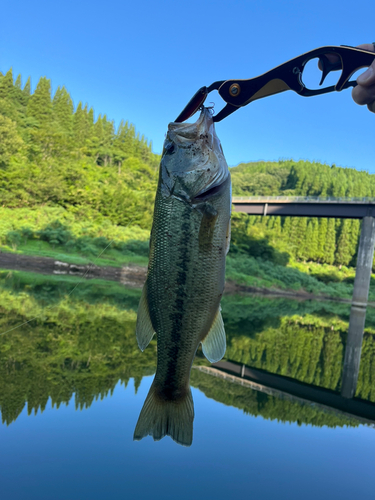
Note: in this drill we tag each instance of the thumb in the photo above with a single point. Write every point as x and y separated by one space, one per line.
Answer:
368 77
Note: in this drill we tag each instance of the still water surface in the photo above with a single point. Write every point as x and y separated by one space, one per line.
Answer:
72 383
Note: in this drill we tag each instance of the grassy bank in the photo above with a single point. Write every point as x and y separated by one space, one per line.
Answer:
316 279
321 280
96 255
62 235
69 239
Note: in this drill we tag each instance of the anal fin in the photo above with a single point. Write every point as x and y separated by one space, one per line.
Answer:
214 344
144 330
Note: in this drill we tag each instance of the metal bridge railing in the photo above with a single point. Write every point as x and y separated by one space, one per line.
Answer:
304 199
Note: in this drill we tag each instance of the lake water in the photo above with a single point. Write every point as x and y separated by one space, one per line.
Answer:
73 381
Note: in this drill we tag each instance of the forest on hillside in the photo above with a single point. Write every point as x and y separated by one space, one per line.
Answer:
329 241
57 156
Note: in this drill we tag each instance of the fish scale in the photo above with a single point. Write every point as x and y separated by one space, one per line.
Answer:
198 283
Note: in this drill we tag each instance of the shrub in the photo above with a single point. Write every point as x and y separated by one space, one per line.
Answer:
101 242
14 238
26 233
137 247
55 234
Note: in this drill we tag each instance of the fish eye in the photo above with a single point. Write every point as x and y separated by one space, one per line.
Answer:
170 149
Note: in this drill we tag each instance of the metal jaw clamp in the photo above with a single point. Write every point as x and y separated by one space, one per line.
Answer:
287 76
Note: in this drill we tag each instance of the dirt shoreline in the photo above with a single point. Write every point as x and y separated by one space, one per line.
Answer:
133 276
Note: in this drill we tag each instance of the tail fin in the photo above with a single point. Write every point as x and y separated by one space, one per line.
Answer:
159 418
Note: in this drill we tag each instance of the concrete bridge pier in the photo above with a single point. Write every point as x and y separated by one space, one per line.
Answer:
358 310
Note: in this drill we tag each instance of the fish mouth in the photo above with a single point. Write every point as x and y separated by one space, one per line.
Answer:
193 162
215 190
185 133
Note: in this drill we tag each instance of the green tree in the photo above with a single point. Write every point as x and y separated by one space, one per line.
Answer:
6 85
343 255
323 224
39 105
27 90
355 229
301 249
63 109
10 142
330 244
103 140
80 127
310 244
314 252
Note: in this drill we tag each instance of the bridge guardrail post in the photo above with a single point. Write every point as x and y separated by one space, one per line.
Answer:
357 319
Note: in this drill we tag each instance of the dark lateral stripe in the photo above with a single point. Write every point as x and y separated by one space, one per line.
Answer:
178 314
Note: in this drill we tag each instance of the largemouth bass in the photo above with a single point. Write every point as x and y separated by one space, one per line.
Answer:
181 297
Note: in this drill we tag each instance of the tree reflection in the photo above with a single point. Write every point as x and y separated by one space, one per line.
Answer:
84 347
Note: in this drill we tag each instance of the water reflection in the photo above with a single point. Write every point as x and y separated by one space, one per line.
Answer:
83 343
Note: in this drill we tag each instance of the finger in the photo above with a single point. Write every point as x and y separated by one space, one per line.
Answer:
367 79
332 58
367 46
363 95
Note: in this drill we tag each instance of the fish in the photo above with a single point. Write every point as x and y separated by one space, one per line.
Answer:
180 300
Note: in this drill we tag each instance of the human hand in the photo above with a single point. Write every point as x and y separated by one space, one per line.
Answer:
364 92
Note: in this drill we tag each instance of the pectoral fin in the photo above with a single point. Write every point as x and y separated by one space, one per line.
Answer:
227 239
214 344
144 329
206 230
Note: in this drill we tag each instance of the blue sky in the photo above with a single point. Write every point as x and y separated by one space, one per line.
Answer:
143 60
